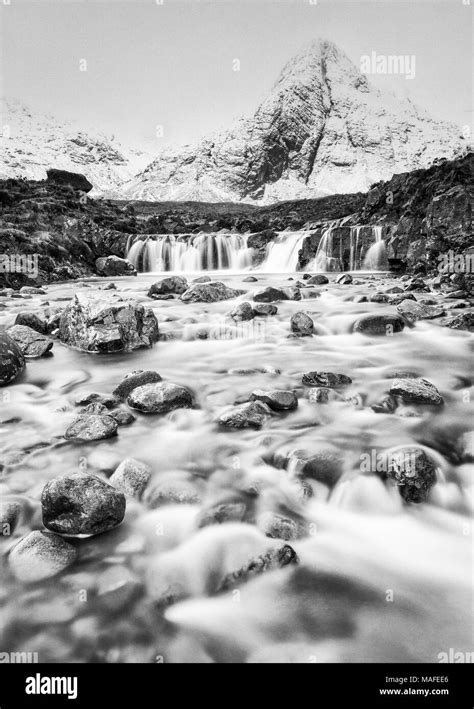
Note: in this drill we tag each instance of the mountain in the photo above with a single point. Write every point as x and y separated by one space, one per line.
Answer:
323 129
33 142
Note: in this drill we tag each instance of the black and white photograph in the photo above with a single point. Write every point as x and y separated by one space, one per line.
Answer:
236 345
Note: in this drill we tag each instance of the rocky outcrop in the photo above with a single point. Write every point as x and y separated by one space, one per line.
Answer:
74 180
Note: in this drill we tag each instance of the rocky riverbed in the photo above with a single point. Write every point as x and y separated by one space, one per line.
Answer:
266 468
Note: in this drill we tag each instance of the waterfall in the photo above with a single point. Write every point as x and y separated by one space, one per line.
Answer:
283 253
376 256
354 246
326 259
200 252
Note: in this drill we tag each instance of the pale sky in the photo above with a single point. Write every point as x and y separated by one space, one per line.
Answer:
171 64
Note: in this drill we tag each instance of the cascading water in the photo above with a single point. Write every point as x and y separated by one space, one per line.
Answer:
326 259
202 252
283 253
376 256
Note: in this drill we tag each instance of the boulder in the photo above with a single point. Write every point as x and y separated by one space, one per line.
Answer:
91 427
302 324
413 471
344 279
12 360
277 399
114 266
32 343
250 415
81 503
378 324
264 309
463 321
159 398
330 380
209 293
134 379
413 311
167 286
131 477
106 323
242 311
64 178
35 321
269 295
416 391
318 280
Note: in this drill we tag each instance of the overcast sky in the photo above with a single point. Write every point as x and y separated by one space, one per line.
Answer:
171 64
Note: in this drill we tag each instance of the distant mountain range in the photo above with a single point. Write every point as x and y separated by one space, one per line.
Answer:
323 129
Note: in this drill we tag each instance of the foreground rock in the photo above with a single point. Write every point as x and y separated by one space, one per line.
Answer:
106 323
302 324
12 361
413 311
159 398
134 379
40 555
379 324
31 343
170 285
242 311
416 391
114 266
249 415
272 559
91 427
131 477
269 295
318 280
463 321
277 399
329 380
209 293
81 504
413 471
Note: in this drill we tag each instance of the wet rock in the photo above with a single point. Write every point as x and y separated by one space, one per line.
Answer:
131 477
159 398
269 295
413 311
416 284
394 289
33 320
379 298
32 290
40 555
219 514
318 280
265 309
209 293
273 559
242 372
386 405
378 324
463 321
277 399
81 503
249 279
319 395
117 587
416 391
10 511
134 379
331 380
169 285
242 311
400 298
110 401
202 279
106 323
32 343
91 427
324 464
114 266
302 324
344 279
12 361
413 471
123 417
95 409
249 415
278 527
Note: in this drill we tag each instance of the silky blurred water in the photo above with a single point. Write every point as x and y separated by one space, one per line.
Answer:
378 580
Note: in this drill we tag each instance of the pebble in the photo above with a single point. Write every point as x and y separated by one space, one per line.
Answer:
131 477
40 555
249 415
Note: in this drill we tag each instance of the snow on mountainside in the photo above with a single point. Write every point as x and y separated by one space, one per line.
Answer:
33 142
323 129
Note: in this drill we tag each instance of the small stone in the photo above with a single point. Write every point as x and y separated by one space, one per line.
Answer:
416 391
379 298
319 395
249 279
40 555
277 399
318 280
123 417
398 298
413 311
132 380
250 415
108 400
269 295
91 427
379 324
202 279
387 405
324 464
273 559
265 309
95 409
302 324
326 379
81 503
344 279
169 285
219 514
242 311
278 527
159 398
413 471
12 360
117 587
131 477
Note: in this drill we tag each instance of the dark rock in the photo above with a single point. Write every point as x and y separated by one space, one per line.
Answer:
416 284
32 343
209 293
107 324
33 320
242 311
413 471
250 415
272 559
379 298
12 361
91 427
159 398
219 514
122 417
249 279
40 555
134 379
344 279
131 477
169 285
95 409
277 399
398 298
463 321
301 324
110 401
269 295
378 324
419 311
81 503
387 405
318 280
114 266
69 179
325 379
416 391
265 309
293 293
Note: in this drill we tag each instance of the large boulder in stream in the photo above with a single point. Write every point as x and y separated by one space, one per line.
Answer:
209 292
106 323
168 285
12 361
32 344
114 266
